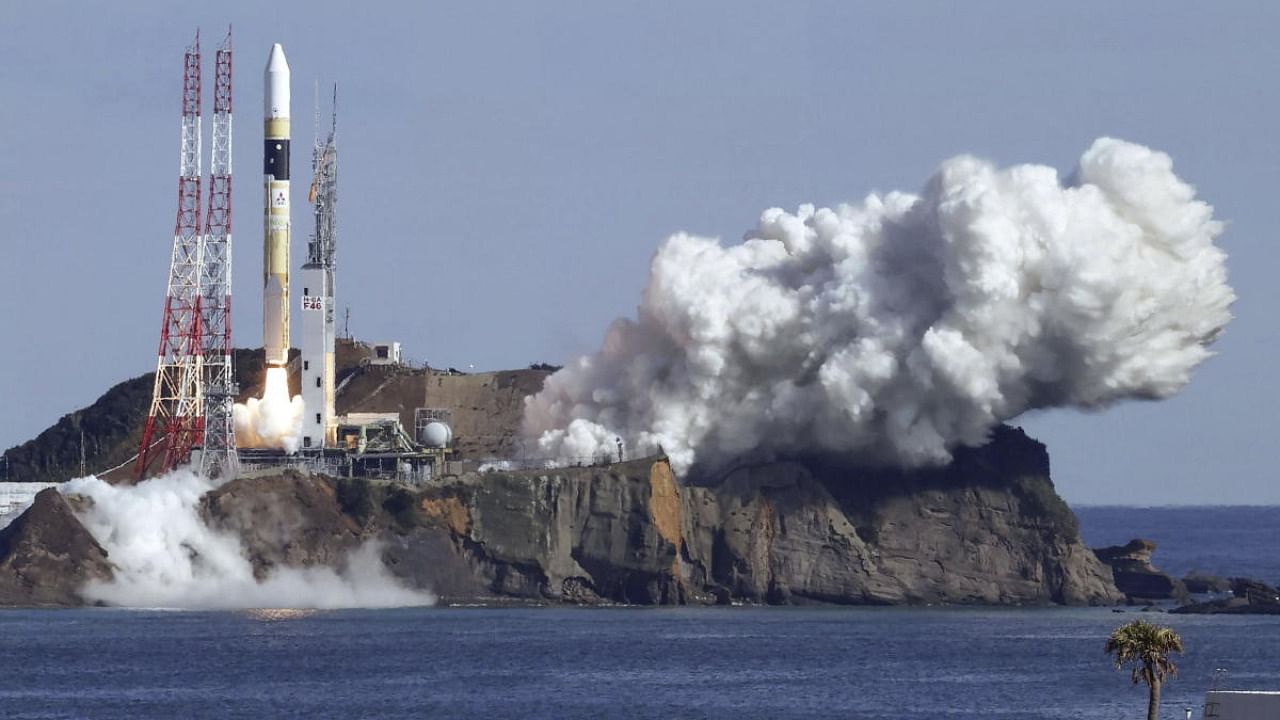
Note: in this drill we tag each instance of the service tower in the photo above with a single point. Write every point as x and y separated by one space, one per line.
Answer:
319 427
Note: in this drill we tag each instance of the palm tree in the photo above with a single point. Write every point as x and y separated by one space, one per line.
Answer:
1146 647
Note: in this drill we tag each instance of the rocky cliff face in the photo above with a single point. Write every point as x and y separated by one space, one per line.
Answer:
987 529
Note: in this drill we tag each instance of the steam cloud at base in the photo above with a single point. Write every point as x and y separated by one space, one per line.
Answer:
275 420
904 326
165 556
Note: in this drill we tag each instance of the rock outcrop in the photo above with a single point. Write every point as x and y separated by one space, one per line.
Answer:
46 556
1136 577
1198 583
1248 597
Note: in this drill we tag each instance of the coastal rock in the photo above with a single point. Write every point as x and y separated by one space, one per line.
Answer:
1199 583
46 555
1249 597
1136 577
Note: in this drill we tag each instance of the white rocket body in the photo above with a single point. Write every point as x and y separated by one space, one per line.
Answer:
277 223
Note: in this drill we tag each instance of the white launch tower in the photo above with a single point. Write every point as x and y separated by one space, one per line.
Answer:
318 322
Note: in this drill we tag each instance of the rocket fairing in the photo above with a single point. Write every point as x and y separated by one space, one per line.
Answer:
277 224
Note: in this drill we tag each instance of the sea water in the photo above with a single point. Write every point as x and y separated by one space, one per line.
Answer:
555 662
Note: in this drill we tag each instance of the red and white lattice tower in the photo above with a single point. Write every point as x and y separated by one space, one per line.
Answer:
218 457
176 420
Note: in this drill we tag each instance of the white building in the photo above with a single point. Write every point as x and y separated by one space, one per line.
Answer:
1241 705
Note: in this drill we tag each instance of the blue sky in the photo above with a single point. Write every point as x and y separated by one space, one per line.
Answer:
507 170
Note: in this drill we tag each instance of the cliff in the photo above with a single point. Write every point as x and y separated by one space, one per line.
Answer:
988 529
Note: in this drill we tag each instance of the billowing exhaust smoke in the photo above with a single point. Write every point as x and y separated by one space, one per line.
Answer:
165 556
904 326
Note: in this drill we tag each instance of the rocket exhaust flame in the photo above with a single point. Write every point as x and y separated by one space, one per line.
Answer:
275 420
902 327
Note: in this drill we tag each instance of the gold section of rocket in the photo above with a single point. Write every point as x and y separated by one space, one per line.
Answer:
276 128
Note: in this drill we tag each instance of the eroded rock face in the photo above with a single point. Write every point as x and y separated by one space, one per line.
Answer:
46 556
1137 578
988 529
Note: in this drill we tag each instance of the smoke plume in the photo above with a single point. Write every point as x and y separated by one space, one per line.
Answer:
275 421
906 325
165 556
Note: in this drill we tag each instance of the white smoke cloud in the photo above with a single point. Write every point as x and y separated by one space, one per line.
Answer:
275 420
165 556
904 326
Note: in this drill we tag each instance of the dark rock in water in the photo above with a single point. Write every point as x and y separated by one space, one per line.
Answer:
46 555
1200 583
1136 577
1249 597
1254 591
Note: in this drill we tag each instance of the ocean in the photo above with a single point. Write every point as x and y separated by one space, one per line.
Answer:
747 662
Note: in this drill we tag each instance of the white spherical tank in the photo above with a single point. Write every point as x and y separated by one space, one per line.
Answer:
436 435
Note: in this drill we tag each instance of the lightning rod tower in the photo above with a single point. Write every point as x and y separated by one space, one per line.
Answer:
218 455
175 421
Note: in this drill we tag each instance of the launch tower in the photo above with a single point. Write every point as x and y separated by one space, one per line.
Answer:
218 457
195 380
318 322
175 421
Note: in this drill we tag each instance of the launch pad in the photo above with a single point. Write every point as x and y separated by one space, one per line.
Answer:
370 445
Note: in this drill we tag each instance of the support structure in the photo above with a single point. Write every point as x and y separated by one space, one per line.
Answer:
218 457
318 275
175 421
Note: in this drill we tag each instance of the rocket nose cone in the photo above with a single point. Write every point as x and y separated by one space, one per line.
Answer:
276 62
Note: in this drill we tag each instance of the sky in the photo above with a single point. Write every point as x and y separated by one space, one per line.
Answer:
507 170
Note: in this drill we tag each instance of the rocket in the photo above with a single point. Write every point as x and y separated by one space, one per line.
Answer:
276 225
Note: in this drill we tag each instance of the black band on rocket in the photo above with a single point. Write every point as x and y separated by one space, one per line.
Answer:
275 158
